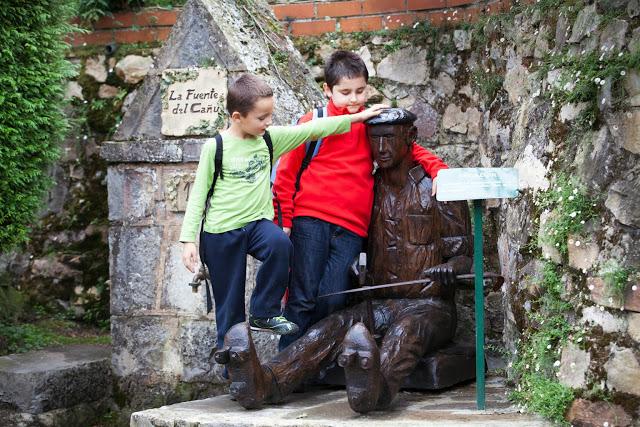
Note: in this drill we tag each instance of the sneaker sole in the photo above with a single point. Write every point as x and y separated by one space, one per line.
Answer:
273 331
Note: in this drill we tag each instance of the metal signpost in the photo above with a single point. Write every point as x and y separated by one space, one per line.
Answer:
477 184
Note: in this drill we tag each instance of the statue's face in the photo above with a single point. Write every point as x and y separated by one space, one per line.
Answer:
389 144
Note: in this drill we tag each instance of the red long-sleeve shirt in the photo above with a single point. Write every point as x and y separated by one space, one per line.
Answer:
337 186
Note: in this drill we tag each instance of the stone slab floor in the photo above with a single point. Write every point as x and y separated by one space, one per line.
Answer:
329 407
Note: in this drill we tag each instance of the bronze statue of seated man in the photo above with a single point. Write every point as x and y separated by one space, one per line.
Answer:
412 236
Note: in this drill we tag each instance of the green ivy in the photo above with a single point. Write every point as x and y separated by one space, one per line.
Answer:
33 72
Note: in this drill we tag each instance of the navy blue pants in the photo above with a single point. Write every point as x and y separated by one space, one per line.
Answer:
322 254
226 258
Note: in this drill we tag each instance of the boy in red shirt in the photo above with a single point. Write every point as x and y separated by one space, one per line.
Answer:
328 216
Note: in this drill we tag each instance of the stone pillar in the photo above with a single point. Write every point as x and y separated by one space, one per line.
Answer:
162 335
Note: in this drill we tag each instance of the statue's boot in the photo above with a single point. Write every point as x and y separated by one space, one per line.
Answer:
361 362
249 382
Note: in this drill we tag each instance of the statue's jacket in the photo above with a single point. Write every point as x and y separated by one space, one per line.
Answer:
412 232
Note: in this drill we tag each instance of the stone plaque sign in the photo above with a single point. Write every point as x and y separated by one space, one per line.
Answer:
177 189
193 101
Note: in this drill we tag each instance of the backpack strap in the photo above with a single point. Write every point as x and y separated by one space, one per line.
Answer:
269 142
217 172
312 149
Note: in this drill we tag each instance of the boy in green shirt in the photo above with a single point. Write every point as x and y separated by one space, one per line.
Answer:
238 218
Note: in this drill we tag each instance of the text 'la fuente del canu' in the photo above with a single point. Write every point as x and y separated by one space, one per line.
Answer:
195 107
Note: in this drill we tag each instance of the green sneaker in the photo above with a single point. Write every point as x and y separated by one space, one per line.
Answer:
277 325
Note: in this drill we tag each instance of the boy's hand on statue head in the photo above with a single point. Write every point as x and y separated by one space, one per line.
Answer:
372 111
190 256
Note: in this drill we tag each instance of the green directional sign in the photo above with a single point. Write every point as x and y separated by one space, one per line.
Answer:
477 184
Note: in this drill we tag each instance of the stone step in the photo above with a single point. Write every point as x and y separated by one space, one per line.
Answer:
452 407
47 380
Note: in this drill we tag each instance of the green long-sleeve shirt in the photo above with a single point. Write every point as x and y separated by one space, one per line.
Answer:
244 194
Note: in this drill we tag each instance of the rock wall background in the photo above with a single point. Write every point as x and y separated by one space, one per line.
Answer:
552 89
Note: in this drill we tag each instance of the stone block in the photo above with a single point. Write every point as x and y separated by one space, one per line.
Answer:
197 341
176 294
574 365
623 200
570 111
600 294
633 328
146 344
582 254
131 193
408 65
586 413
149 151
427 122
42 381
165 347
612 37
516 83
585 24
133 68
607 321
462 39
454 119
95 68
623 371
134 260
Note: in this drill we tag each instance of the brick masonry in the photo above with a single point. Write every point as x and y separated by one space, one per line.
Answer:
302 17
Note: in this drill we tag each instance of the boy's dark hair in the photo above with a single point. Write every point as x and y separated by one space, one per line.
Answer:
343 64
244 92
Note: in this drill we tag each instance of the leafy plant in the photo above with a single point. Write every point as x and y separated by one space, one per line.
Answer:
487 84
615 277
32 75
536 357
570 209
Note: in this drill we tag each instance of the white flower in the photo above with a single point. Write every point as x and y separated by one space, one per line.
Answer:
620 54
602 82
502 40
549 347
579 339
559 199
578 243
623 72
597 80
634 288
601 308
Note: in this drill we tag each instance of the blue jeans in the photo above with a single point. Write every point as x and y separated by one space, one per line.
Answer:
322 254
226 258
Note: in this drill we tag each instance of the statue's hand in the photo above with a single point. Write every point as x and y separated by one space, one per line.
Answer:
442 273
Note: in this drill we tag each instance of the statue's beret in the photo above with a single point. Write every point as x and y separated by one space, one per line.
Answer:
393 116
